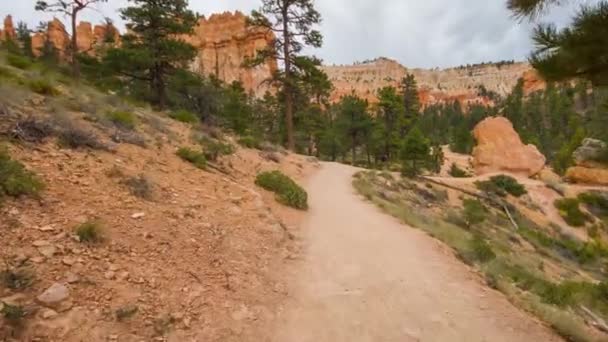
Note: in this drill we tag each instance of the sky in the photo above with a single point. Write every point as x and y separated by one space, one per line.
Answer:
424 34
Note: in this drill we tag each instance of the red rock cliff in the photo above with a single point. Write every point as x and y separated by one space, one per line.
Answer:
224 42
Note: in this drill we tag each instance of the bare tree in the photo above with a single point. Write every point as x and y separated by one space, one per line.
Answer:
70 8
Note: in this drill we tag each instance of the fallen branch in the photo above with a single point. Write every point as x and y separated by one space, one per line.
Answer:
596 321
496 203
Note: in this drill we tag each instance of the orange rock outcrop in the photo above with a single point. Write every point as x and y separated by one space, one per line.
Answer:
9 29
436 85
224 42
500 149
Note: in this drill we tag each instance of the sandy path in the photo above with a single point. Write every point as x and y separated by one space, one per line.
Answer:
366 277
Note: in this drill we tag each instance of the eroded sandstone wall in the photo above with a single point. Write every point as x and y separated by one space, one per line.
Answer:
436 85
224 42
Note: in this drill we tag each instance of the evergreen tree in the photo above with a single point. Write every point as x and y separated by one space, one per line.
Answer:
354 121
25 38
292 23
390 111
415 153
411 103
152 51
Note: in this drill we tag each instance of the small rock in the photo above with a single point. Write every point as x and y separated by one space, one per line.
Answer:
113 337
124 275
37 260
47 251
13 212
113 267
54 295
109 275
21 258
138 216
40 243
71 278
69 261
47 228
235 210
49 314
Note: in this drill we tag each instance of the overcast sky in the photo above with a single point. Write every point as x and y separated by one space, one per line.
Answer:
428 33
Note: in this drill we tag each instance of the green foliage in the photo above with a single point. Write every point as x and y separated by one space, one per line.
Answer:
569 209
184 116
415 153
90 232
43 87
479 251
152 50
19 62
13 313
194 157
74 137
250 141
473 212
15 179
596 202
122 119
457 172
287 191
213 149
502 185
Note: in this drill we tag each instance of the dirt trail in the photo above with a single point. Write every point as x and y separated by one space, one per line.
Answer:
366 277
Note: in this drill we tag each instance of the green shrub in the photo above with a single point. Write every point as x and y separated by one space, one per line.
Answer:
6 73
477 251
213 149
16 279
122 119
43 87
13 314
287 191
194 157
18 62
596 202
89 232
15 179
126 312
457 172
250 142
501 185
184 116
570 210
474 212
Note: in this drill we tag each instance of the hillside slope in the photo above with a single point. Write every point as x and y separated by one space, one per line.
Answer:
196 259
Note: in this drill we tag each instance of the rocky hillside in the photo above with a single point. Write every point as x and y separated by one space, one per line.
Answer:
128 241
436 85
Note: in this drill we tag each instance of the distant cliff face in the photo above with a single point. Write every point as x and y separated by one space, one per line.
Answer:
224 42
435 85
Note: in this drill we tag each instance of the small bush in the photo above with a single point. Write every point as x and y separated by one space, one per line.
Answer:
287 191
74 137
501 185
13 314
474 212
6 73
570 210
126 312
213 149
250 142
194 157
596 202
18 62
43 87
129 137
184 116
122 119
32 130
16 279
15 179
457 172
89 232
481 250
139 186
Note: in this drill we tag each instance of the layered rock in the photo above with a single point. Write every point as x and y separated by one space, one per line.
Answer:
58 37
500 149
436 85
588 169
224 42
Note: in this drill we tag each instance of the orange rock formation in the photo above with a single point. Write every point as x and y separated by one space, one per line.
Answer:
224 42
436 86
499 149
9 29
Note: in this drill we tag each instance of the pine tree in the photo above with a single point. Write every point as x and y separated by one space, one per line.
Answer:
390 110
25 38
354 121
291 22
415 153
153 50
411 103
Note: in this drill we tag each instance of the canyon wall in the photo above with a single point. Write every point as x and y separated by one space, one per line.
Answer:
224 42
435 85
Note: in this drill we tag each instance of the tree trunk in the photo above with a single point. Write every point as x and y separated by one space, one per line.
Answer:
74 50
354 148
291 144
